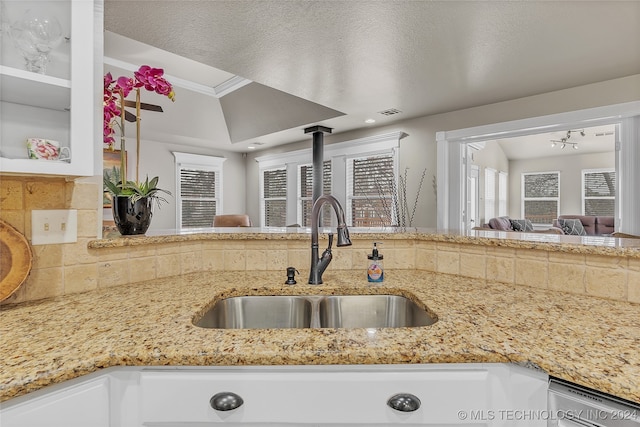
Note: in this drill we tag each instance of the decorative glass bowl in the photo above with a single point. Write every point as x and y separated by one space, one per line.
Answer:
36 36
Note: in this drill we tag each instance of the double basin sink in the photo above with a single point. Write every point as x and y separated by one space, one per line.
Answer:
315 311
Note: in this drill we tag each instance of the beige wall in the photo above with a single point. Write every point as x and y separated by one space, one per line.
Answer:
491 156
157 160
418 150
570 168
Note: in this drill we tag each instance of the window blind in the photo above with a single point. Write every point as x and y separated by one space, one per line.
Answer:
599 192
274 195
541 185
198 189
306 194
541 196
371 191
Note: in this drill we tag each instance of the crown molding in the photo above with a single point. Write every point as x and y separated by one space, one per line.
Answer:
175 81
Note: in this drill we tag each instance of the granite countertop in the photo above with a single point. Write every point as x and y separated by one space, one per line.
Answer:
593 245
587 340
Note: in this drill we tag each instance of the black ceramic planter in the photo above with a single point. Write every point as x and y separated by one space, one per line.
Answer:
132 218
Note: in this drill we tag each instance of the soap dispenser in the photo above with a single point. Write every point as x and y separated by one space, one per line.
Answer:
375 272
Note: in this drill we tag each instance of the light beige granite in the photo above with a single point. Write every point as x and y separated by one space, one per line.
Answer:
448 240
588 340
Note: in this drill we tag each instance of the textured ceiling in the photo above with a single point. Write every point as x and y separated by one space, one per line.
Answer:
421 57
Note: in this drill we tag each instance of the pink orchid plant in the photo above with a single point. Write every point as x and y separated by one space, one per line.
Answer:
115 92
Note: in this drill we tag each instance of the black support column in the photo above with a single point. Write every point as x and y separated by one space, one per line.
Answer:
318 157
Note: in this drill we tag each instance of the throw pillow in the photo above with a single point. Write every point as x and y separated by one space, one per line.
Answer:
501 223
523 225
572 226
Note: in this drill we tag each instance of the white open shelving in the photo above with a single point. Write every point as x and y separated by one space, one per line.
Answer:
61 105
36 90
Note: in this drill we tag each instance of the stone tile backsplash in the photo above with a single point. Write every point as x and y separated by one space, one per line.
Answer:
70 268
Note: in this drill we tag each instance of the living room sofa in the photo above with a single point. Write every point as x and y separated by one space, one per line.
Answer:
504 223
593 225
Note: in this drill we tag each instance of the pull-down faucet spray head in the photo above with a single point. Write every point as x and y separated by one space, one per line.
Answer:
319 264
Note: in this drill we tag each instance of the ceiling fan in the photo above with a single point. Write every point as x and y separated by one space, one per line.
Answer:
130 117
135 118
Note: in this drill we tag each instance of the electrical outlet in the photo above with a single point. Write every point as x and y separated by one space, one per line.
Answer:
54 226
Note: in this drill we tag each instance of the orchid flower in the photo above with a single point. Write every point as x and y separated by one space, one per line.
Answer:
115 90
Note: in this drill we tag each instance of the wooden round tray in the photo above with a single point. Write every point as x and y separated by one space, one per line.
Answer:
15 260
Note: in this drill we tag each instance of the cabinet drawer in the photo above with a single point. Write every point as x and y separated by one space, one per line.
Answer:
326 395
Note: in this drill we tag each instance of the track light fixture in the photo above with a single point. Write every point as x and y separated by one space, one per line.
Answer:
565 140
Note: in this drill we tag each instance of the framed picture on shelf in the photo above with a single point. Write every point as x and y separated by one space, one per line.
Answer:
111 169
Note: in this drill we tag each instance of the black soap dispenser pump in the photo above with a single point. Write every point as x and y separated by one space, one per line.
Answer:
291 276
375 271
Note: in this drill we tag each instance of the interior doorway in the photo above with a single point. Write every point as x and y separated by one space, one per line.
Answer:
473 197
452 203
500 167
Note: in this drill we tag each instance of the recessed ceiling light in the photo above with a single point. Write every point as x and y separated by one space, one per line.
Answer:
369 121
251 147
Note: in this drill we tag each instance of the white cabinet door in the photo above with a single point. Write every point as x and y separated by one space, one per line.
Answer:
85 404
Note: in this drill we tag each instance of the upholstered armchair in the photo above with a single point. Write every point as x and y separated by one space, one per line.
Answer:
234 220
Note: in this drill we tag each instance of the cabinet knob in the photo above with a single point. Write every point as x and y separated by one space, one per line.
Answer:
225 401
404 402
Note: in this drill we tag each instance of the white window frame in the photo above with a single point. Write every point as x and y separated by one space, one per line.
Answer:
523 199
337 153
584 197
503 193
490 199
198 162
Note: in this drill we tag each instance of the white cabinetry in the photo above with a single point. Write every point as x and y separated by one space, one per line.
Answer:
77 403
450 394
64 103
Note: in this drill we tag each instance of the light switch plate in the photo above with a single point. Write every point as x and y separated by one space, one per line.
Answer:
54 226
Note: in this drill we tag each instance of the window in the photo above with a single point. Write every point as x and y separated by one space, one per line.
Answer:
371 189
306 193
296 177
274 197
199 180
489 194
541 196
598 192
502 193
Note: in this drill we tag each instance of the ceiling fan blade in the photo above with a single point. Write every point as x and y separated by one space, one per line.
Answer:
143 106
130 117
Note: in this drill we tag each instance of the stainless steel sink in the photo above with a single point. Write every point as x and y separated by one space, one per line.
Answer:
371 311
315 311
257 312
